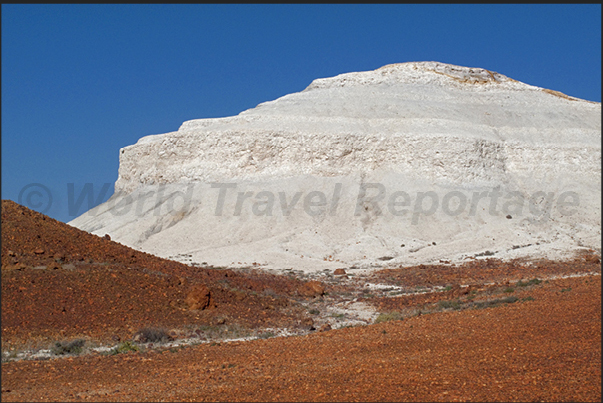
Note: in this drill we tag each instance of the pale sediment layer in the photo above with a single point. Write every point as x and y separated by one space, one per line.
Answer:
413 128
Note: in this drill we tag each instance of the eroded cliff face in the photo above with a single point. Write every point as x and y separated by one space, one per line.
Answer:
434 120
430 156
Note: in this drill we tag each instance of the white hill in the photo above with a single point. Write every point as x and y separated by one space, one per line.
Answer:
410 163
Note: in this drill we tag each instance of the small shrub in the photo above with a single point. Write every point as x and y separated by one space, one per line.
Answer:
11 355
509 300
313 311
123 347
494 302
153 335
448 288
566 289
530 282
509 289
450 304
71 347
270 292
126 346
529 298
266 335
386 317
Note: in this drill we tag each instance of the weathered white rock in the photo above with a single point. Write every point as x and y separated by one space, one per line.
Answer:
464 137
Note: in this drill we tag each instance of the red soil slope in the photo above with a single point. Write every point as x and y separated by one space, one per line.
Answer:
59 282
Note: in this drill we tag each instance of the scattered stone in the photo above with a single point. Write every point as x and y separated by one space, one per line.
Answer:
325 328
53 266
339 272
39 251
107 237
308 323
199 297
18 266
312 289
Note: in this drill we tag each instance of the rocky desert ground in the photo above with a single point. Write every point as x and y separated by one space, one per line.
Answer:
87 319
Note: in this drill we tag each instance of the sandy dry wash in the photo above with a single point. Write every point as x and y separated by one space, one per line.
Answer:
407 164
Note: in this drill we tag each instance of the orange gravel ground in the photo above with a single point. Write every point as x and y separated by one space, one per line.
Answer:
545 346
548 349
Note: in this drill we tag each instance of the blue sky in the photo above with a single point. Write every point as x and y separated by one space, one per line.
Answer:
81 81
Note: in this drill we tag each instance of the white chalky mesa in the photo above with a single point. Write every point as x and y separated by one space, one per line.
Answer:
356 165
